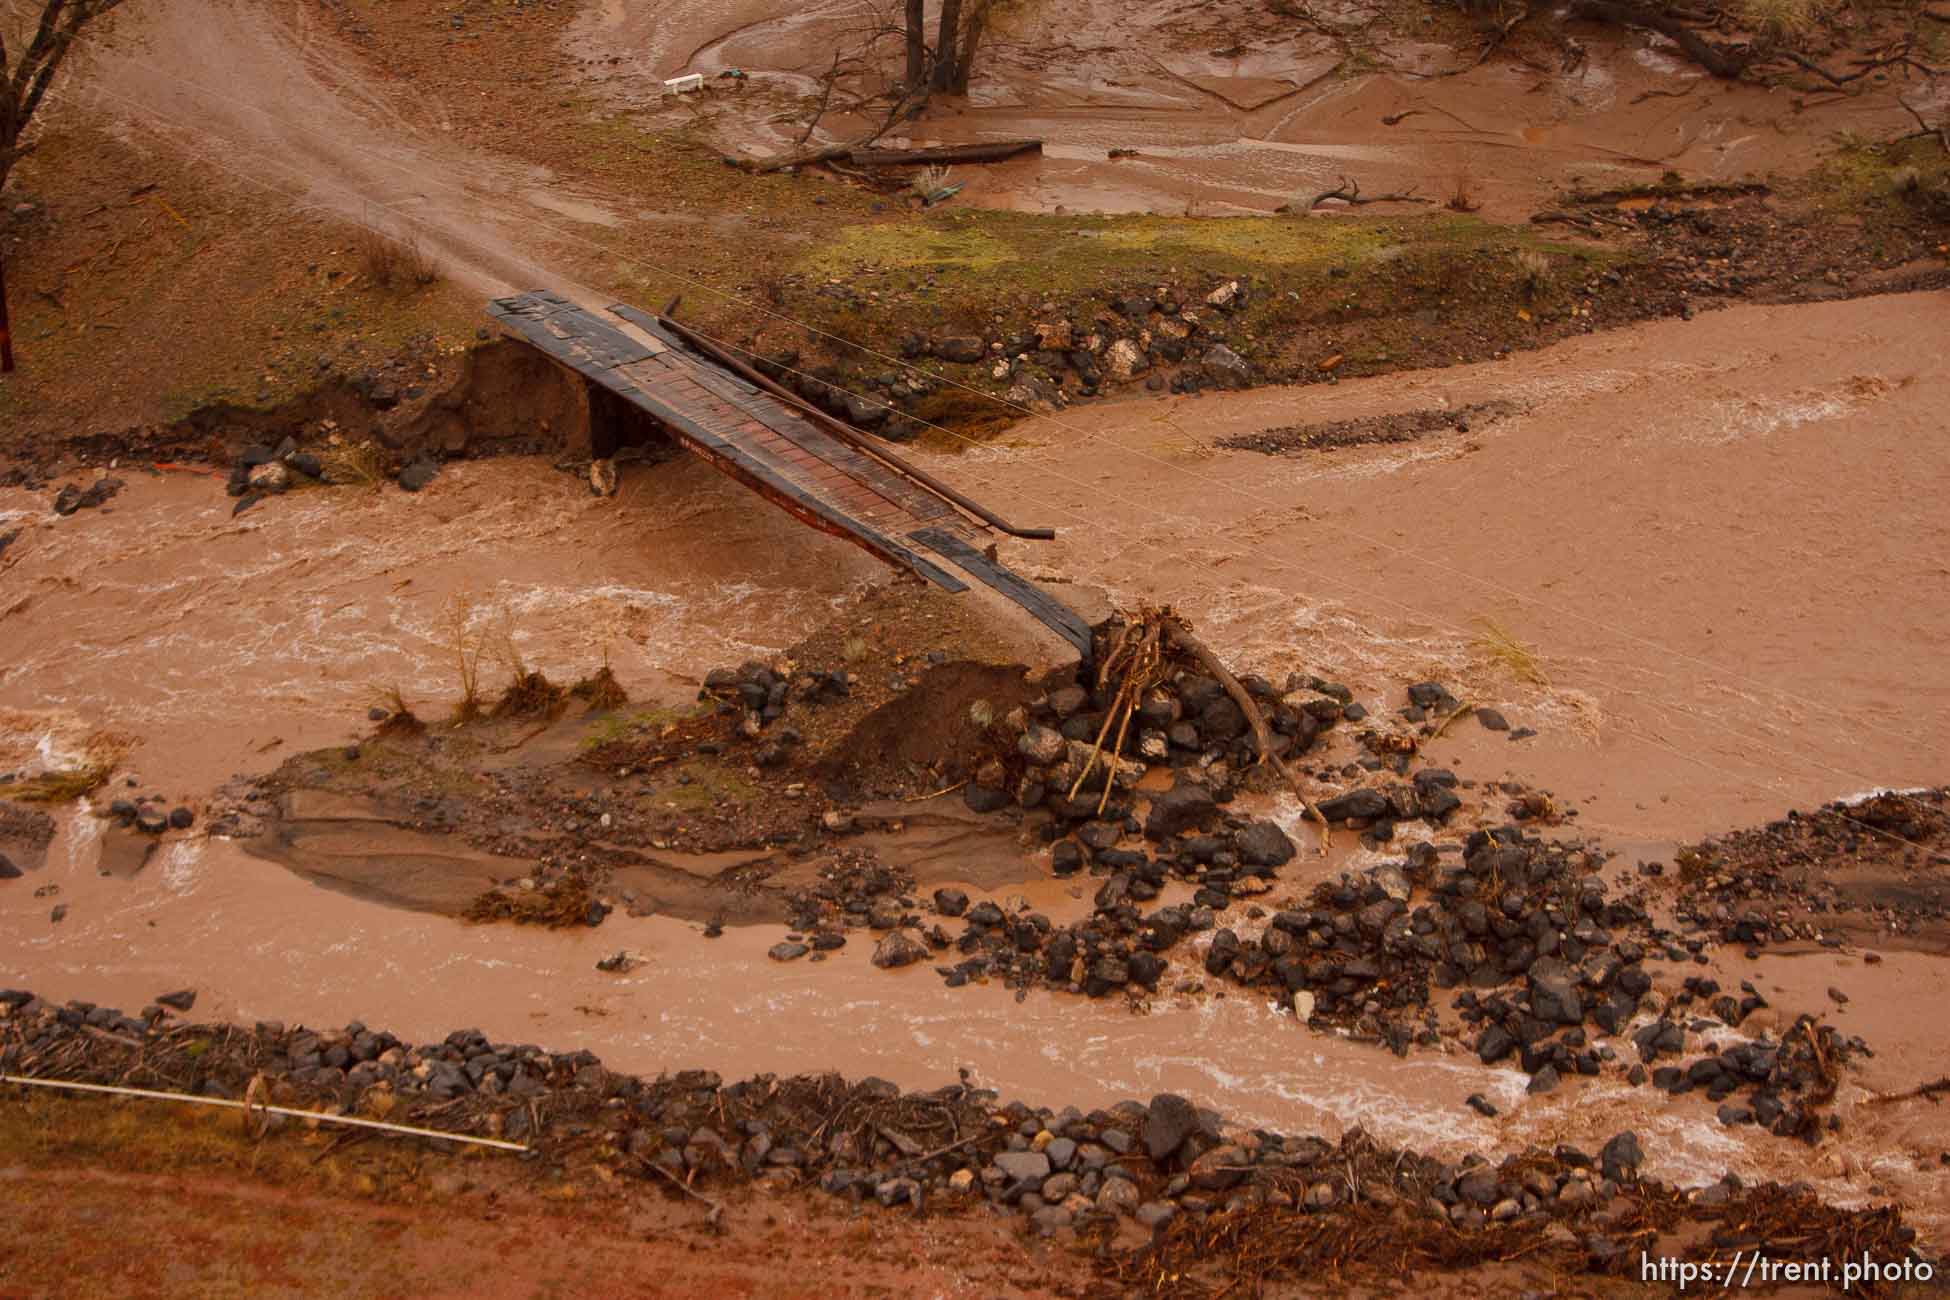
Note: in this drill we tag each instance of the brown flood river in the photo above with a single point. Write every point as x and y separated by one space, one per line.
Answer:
1724 538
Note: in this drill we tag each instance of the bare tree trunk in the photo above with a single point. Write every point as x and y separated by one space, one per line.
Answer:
6 334
1722 61
946 43
917 44
971 37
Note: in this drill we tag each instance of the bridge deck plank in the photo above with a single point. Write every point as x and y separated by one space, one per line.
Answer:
776 450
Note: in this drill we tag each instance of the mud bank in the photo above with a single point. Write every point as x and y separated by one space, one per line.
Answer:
1186 1174
1237 108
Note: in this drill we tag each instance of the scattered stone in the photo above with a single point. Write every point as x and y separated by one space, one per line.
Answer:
898 949
1224 366
1023 1166
962 349
418 474
790 951
1169 1120
181 1000
70 499
1179 809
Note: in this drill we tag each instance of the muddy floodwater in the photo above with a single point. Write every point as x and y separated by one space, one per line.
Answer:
223 643
263 944
1675 517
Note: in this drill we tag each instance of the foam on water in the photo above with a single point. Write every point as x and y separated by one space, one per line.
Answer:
82 836
180 865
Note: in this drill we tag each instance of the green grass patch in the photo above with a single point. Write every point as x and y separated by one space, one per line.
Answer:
1884 181
710 784
633 725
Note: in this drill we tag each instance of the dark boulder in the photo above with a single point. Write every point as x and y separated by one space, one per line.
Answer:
418 474
1366 803
963 349
1168 1121
1263 844
1179 809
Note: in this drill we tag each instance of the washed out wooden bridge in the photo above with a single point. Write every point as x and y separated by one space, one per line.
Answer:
811 464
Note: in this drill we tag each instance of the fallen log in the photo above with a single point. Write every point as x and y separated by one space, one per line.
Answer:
947 153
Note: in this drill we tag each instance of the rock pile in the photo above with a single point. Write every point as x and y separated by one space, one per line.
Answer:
761 693
1065 759
1796 878
1063 1171
1164 336
1119 946
147 813
857 891
70 499
266 471
1549 965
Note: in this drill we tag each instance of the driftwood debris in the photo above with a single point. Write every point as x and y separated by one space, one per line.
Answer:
1136 661
944 154
1928 1092
1349 192
1181 637
860 154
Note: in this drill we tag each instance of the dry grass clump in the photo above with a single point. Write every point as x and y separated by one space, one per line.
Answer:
1782 20
556 904
390 262
1497 644
400 719
601 691
529 694
1535 267
101 755
359 463
928 180
466 645
1462 193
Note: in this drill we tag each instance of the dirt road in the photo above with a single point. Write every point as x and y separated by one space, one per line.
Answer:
260 91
